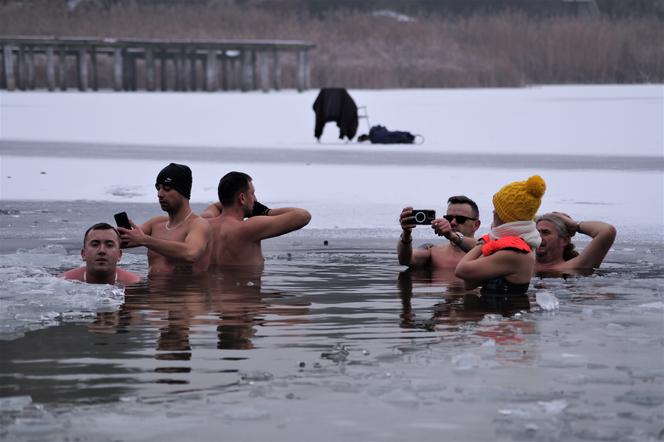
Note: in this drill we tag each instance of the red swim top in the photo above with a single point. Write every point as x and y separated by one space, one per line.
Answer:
515 243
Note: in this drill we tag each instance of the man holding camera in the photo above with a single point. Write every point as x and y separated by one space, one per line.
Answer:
458 226
236 240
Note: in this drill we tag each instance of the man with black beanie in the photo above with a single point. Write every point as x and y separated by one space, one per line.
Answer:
179 242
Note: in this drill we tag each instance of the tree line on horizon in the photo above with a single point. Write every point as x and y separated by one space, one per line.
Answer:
379 45
319 8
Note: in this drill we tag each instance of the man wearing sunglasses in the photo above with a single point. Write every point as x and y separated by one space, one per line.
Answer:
458 226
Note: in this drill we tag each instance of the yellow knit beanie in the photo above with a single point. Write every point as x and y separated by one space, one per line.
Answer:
519 201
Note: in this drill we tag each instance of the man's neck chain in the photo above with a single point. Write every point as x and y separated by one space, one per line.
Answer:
180 223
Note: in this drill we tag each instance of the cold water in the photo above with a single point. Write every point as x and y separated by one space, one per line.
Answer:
331 342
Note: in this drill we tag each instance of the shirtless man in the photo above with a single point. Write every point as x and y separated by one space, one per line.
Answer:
556 252
101 253
179 242
458 226
237 241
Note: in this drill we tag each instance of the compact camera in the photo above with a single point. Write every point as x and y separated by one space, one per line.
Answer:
424 216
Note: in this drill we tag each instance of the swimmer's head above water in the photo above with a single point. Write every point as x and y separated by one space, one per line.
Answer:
177 176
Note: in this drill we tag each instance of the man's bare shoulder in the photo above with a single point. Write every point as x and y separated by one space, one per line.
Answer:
127 277
73 274
200 223
156 220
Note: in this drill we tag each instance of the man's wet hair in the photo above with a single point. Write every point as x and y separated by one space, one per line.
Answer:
569 251
100 226
463 199
230 185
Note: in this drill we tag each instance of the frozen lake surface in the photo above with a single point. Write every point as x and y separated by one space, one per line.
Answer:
336 341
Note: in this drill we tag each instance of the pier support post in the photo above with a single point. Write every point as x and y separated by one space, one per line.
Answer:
301 70
30 80
276 70
117 69
50 68
226 71
20 68
211 71
180 70
150 71
82 59
162 70
264 70
8 61
246 70
62 68
93 67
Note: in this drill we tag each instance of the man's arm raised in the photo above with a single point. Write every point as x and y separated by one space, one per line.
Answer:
603 235
212 211
190 250
278 222
593 254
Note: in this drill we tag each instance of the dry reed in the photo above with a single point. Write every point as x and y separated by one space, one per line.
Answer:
356 49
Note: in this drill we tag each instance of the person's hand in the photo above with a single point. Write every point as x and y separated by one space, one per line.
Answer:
406 219
570 224
442 227
133 237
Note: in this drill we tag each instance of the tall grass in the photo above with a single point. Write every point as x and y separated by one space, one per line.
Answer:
360 50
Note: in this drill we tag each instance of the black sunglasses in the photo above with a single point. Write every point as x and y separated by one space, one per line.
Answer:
460 219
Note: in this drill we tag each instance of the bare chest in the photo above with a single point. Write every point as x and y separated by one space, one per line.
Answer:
445 256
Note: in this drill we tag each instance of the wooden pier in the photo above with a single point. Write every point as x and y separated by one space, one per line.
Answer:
55 63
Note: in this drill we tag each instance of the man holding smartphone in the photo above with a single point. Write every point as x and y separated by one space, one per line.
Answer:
101 253
458 226
239 222
178 242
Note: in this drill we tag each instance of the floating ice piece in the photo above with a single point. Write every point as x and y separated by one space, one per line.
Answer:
466 362
653 306
14 403
491 318
245 413
256 376
553 407
643 398
338 354
616 330
547 301
402 398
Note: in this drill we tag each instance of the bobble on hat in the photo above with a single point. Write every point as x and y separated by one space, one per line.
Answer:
519 201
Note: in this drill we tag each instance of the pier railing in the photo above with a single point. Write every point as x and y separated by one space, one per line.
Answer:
56 63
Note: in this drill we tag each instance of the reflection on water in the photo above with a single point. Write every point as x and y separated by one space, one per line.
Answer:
339 344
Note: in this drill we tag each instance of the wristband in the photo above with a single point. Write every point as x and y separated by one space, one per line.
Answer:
405 242
578 227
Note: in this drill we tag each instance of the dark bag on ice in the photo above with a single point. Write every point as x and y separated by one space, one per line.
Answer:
380 135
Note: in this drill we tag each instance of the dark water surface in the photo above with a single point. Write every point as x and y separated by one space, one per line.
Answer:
331 342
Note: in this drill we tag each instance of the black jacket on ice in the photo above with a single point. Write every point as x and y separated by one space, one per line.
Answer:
335 104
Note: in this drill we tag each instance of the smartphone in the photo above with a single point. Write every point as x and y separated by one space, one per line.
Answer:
122 220
424 216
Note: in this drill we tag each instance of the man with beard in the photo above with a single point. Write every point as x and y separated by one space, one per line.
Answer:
179 242
101 253
458 226
557 253
239 222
